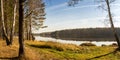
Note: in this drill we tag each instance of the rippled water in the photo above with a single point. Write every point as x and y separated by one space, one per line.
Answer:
38 38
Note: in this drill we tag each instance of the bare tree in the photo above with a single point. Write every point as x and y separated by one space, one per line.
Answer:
111 22
108 9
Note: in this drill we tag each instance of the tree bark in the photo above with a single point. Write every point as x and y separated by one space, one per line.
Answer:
3 24
27 30
30 27
13 23
21 22
112 24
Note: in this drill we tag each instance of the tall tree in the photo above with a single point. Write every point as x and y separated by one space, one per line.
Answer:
8 14
21 21
3 24
111 22
73 2
35 10
13 22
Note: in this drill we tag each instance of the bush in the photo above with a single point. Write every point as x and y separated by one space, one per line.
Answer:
114 44
87 44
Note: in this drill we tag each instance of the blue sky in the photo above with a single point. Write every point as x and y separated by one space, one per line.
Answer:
86 14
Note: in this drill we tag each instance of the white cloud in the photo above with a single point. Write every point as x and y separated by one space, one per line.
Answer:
88 6
57 6
80 7
116 5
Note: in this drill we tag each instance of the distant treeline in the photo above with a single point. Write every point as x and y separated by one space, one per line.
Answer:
99 34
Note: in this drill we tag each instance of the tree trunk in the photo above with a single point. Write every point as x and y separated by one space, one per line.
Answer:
3 24
13 23
30 27
27 30
21 22
6 23
1 32
112 24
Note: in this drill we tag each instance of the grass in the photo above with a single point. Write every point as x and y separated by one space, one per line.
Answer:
11 52
58 51
35 50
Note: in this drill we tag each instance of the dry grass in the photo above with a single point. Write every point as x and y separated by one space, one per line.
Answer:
31 54
8 51
11 52
35 50
53 45
57 51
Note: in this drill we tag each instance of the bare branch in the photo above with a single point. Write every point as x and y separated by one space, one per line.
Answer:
28 14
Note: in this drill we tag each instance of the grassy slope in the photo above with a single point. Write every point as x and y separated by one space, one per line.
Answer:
57 51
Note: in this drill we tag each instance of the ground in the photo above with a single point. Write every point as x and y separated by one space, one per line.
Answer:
58 51
11 52
39 50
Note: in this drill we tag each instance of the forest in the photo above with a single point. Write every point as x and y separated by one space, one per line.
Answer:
83 34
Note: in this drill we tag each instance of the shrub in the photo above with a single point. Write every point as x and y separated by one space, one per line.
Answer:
114 44
87 44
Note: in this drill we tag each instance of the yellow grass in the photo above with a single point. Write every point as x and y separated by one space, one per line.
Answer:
11 52
53 45
57 51
39 50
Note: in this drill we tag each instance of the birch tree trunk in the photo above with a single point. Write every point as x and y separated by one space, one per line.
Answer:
13 23
3 24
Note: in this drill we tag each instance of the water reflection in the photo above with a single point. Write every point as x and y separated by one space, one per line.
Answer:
38 38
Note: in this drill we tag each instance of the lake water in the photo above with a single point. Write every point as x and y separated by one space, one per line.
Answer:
38 38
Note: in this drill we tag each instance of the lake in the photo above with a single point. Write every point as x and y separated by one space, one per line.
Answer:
98 43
